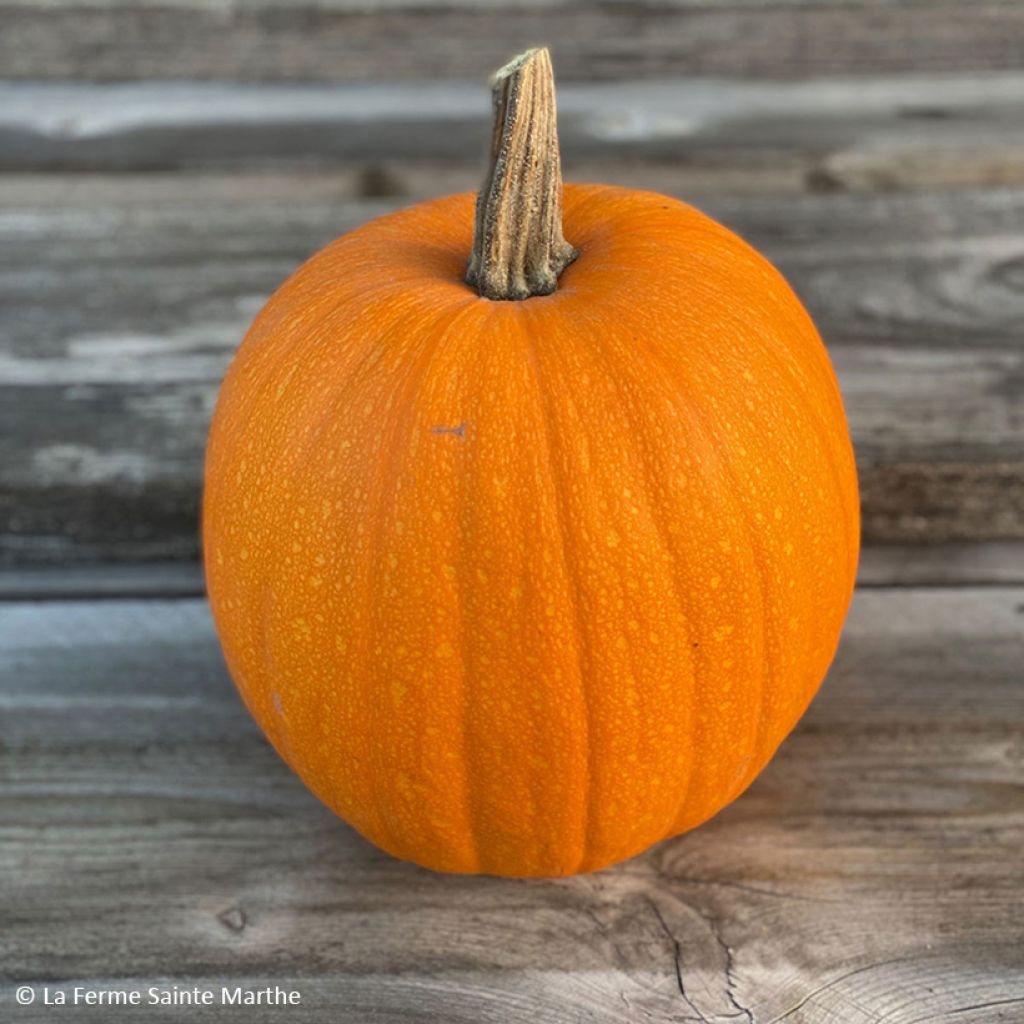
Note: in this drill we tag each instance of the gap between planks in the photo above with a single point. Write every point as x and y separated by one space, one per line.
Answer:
886 132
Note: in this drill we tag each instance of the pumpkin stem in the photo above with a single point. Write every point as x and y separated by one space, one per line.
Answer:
518 246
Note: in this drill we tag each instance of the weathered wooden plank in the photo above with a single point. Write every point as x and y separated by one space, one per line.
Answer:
367 6
915 271
931 565
826 133
943 501
273 41
122 313
150 835
175 580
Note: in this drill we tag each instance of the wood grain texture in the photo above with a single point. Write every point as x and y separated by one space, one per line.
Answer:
275 41
872 873
839 133
123 307
185 579
976 564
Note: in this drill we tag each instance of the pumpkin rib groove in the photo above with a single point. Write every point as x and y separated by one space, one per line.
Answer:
286 461
357 373
402 425
796 366
794 372
685 606
380 770
615 374
696 727
465 690
464 718
596 351
469 801
767 674
277 733
573 589
248 404
699 416
766 620
817 356
466 745
783 356
828 448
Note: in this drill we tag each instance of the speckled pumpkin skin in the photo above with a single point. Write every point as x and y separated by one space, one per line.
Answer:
525 587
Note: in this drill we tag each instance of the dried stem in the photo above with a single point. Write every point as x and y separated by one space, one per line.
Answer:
518 246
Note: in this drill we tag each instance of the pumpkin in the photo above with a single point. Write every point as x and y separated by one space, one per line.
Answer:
524 576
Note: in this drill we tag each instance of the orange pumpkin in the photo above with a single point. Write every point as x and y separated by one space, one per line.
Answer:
523 587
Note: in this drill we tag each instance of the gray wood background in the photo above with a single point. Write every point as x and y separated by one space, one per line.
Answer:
165 163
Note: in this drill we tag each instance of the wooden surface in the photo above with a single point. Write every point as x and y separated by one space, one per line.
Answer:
123 305
143 223
332 40
164 164
827 133
873 872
